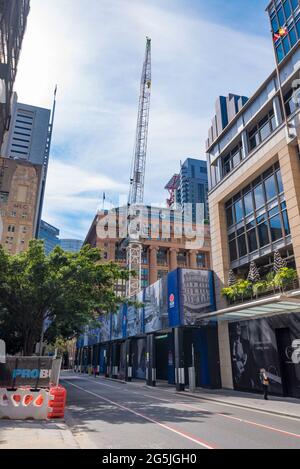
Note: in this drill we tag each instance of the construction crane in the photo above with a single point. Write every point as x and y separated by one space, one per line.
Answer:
137 179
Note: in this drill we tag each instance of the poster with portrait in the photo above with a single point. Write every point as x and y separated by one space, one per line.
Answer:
117 324
156 316
271 344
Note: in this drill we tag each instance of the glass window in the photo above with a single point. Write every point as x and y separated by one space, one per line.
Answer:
229 214
293 37
286 223
248 202
281 16
265 131
274 211
252 241
270 187
298 28
286 44
275 25
236 159
279 181
233 251
239 212
275 226
279 51
287 9
263 234
294 3
242 245
259 196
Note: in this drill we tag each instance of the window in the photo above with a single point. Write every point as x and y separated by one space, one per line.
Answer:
11 229
275 227
252 241
248 203
232 160
270 187
279 52
287 9
259 196
4 197
262 130
263 234
239 212
281 17
252 221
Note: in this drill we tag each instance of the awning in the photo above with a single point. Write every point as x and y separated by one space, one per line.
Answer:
277 304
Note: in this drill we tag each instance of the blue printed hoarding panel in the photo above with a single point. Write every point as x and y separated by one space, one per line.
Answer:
173 299
135 318
117 324
105 328
196 295
156 306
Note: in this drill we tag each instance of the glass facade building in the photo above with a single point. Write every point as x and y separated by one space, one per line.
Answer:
285 14
71 245
194 185
257 216
50 235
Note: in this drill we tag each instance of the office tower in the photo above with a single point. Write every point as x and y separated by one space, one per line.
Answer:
50 235
13 19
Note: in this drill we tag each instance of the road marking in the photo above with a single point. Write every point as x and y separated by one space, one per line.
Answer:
192 438
196 407
249 422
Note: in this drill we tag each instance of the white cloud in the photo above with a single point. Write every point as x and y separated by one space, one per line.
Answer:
94 50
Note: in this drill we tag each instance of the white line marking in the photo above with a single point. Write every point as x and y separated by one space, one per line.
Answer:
194 439
196 407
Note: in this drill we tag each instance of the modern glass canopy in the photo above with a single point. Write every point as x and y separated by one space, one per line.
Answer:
278 304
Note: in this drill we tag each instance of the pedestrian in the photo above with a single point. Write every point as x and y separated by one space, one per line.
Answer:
265 382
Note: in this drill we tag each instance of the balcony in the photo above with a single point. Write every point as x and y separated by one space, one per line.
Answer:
243 291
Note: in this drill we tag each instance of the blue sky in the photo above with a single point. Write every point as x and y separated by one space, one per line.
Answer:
94 50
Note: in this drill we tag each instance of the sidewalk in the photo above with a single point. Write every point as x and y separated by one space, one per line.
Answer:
284 406
17 434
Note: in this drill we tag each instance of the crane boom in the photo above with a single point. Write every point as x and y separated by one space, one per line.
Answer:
137 181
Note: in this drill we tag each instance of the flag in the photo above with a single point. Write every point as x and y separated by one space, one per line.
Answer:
281 33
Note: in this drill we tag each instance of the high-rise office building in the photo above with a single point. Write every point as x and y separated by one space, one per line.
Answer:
13 19
50 235
285 24
254 201
190 186
29 138
71 245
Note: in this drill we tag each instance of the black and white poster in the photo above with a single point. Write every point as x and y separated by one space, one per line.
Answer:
156 306
196 295
271 343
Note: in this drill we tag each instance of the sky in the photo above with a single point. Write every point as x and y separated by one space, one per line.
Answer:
94 51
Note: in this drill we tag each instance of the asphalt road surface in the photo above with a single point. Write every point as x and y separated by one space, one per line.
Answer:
111 415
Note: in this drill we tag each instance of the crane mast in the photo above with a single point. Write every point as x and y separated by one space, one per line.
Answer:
137 180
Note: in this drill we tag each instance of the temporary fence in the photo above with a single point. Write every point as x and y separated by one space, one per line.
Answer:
29 388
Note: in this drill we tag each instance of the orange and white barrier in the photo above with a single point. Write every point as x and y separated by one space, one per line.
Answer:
23 404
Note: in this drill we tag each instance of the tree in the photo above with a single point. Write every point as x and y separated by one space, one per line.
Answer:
279 263
253 275
231 278
67 289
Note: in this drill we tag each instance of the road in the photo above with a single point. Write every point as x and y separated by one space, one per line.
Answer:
111 415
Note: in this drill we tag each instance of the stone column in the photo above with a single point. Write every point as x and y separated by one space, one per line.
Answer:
193 260
290 172
152 265
173 259
225 355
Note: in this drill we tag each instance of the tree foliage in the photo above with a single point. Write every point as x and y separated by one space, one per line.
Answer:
68 290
